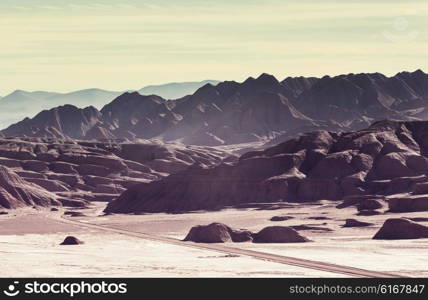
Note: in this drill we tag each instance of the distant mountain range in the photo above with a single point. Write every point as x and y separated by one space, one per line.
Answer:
176 89
21 104
258 109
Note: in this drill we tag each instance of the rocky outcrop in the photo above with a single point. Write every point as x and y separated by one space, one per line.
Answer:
396 229
355 200
408 203
217 233
257 109
71 240
168 158
310 227
16 192
316 166
280 218
49 185
369 204
221 233
246 182
356 223
95 171
279 234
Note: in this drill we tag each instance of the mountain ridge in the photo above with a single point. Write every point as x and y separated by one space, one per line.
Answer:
258 109
21 104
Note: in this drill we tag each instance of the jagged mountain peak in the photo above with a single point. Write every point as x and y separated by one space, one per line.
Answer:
266 78
59 122
419 73
257 109
133 98
416 73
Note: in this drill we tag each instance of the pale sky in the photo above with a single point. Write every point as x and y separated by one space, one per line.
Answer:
65 45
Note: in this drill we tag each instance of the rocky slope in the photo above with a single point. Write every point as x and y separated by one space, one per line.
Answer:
61 122
16 192
43 172
132 115
258 109
385 159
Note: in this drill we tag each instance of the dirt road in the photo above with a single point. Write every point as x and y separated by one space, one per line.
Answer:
222 248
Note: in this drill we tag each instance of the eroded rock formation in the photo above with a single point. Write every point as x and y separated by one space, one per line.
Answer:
400 228
43 172
385 159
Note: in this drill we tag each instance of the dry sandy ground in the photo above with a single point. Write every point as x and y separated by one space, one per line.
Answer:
352 247
29 245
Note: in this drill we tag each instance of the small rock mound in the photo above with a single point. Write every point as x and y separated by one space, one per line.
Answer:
74 214
310 227
396 229
357 199
356 223
240 236
408 203
217 233
280 218
368 212
279 234
369 204
71 240
319 218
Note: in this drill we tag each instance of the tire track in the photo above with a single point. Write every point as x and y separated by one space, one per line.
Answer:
293 261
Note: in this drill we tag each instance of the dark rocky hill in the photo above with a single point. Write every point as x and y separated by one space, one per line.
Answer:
385 159
45 172
258 109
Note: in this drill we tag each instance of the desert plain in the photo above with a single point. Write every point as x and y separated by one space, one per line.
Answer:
30 241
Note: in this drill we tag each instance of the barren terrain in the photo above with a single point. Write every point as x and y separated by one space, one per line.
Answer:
30 244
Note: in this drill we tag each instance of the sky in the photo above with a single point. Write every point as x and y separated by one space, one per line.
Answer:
65 45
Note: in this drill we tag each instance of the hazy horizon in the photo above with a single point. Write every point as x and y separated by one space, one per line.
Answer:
64 45
106 89
184 82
